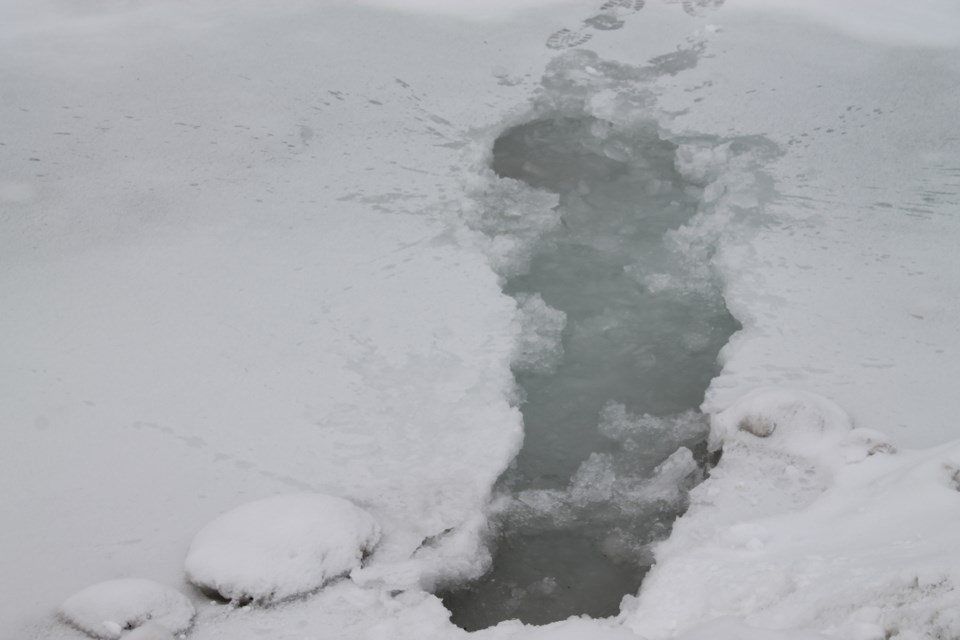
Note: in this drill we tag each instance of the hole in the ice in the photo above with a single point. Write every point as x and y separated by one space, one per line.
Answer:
612 437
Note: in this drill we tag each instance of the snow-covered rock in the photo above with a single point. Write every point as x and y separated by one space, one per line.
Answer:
107 609
280 547
786 415
799 423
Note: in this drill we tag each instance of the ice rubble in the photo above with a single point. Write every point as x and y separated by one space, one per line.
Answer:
279 547
110 609
587 205
621 499
539 348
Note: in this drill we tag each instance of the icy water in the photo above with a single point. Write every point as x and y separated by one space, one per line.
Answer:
612 437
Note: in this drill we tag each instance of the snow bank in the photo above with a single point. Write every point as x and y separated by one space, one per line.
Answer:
280 547
729 628
808 523
107 609
456 555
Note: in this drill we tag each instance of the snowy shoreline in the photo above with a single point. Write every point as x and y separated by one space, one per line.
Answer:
233 268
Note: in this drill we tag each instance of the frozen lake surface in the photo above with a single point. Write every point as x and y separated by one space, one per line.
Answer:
248 251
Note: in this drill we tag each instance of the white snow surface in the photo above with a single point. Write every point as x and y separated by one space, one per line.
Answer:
279 547
228 274
108 609
233 264
496 10
149 631
849 538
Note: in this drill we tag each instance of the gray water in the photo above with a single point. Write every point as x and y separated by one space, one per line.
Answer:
612 436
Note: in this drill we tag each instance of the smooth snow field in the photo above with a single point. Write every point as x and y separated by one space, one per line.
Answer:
528 319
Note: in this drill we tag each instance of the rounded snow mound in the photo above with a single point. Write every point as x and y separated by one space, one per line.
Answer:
799 423
280 547
792 419
108 609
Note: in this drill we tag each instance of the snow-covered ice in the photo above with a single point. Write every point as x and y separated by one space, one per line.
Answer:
213 292
848 538
112 608
242 253
279 547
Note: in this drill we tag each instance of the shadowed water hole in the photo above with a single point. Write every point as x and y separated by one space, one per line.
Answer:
612 439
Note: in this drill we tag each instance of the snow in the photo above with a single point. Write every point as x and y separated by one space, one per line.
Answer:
789 535
571 629
795 421
108 609
918 24
149 631
241 255
843 289
496 10
280 547
298 321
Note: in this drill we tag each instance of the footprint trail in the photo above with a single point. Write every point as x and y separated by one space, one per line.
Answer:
612 16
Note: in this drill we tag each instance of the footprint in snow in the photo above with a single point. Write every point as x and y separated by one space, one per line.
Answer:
628 5
610 17
567 39
697 8
604 22
607 19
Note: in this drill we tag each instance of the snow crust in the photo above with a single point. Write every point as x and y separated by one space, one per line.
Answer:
280 547
110 609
